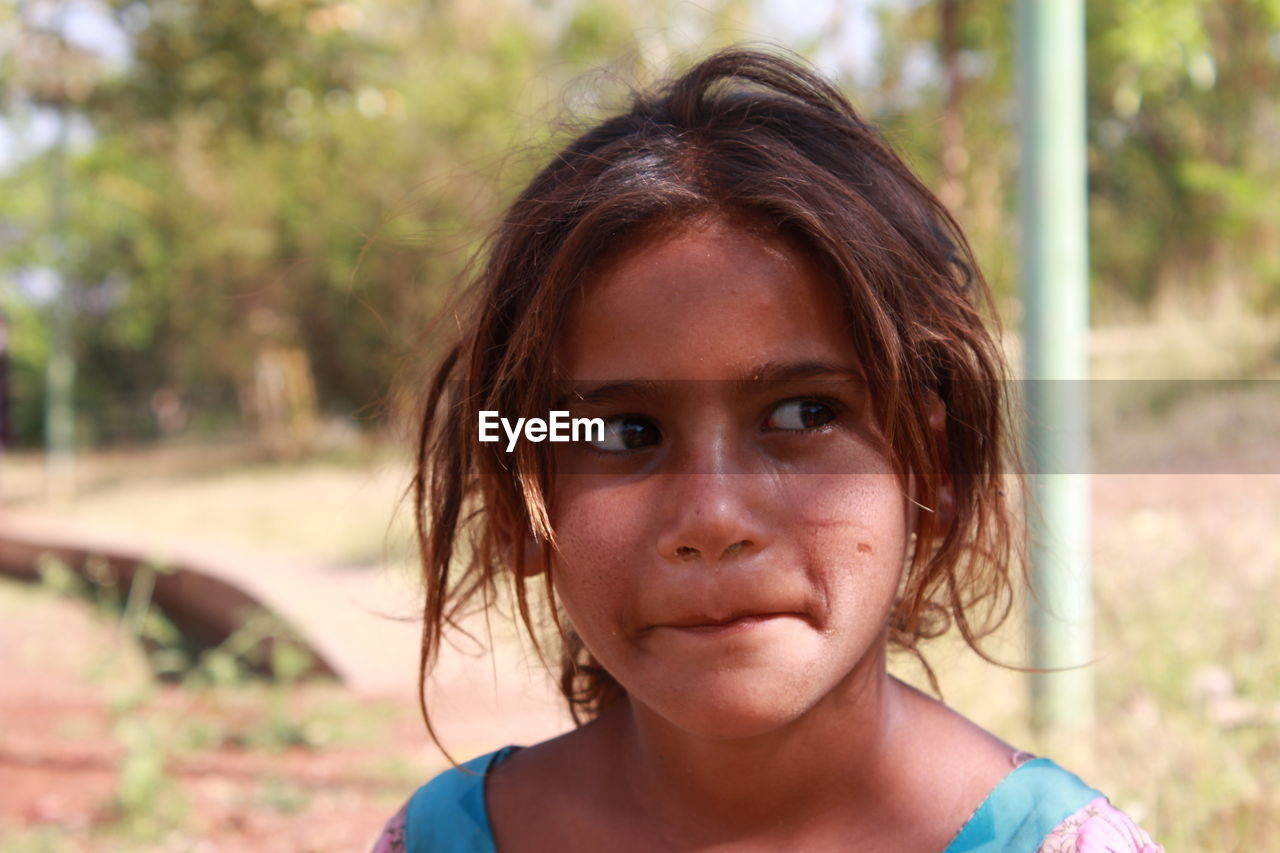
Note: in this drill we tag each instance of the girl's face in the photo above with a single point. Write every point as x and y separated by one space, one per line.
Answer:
731 550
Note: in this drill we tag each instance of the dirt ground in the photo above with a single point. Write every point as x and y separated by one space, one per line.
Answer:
97 755
306 767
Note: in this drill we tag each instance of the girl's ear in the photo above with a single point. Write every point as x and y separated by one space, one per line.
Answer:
534 564
945 500
531 563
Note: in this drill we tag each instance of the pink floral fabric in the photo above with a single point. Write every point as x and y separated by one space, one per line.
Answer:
1099 827
392 838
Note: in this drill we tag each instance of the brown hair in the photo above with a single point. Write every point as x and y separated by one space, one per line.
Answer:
744 134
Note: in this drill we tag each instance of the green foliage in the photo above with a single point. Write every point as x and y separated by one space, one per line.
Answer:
262 644
147 803
1180 97
1182 134
284 796
294 175
43 839
147 800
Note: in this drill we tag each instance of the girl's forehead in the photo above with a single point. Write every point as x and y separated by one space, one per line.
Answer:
709 299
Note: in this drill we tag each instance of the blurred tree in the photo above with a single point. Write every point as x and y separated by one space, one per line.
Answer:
278 193
1183 130
1185 127
943 91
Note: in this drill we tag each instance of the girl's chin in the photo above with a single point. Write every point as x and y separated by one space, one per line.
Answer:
728 714
757 698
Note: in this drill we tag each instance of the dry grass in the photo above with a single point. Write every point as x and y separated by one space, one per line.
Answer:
342 510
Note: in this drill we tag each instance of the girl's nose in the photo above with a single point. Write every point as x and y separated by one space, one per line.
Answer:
711 517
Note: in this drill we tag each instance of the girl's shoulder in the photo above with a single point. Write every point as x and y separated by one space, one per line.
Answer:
1042 807
446 815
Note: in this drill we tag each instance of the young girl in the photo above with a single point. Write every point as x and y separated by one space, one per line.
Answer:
794 464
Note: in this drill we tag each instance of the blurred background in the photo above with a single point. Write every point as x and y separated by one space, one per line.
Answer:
227 228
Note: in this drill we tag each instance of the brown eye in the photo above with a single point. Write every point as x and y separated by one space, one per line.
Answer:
800 415
627 432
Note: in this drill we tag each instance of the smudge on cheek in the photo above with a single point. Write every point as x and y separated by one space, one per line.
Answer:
864 548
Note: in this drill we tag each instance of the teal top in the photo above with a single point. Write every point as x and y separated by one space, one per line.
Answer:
1023 809
449 813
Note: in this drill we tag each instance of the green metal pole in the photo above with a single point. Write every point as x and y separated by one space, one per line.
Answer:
1055 286
60 372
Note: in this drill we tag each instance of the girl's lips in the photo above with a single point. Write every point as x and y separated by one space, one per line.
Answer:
732 625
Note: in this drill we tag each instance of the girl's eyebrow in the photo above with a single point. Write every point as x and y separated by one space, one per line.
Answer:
609 391
774 371
769 371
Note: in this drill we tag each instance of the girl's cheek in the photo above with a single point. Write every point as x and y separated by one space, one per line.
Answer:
872 502
853 531
599 531
592 511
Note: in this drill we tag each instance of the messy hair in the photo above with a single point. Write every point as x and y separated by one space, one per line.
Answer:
755 137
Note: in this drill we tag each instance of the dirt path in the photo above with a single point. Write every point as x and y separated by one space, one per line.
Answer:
80 715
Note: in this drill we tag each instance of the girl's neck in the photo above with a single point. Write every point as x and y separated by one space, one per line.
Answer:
722 789
876 762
